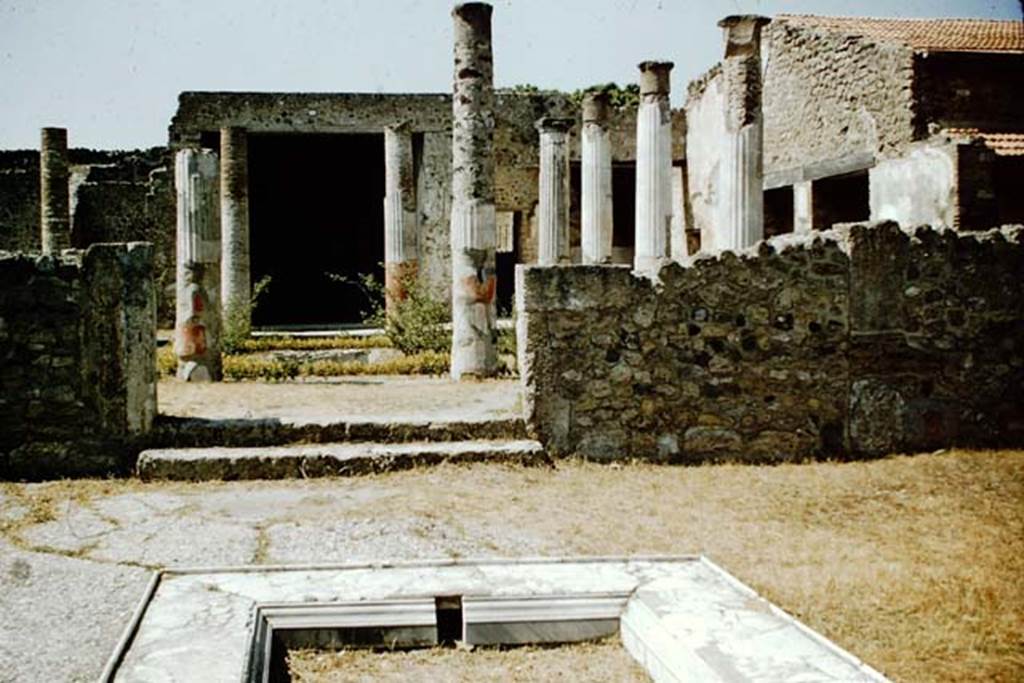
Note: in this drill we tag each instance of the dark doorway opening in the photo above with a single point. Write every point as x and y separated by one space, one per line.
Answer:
623 205
505 269
778 211
316 216
1009 174
841 199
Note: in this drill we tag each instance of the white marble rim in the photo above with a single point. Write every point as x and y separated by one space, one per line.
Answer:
125 642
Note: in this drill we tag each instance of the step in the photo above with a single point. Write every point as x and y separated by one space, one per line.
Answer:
327 459
198 432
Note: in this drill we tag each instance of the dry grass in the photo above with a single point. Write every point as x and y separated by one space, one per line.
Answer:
599 661
915 564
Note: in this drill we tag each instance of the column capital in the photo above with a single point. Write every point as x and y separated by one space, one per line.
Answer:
742 33
401 126
476 13
551 124
53 135
595 107
654 77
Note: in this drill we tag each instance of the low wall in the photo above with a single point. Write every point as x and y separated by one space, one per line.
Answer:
78 377
859 341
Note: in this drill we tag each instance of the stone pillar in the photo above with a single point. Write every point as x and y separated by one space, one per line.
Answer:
553 209
400 222
741 202
54 211
653 169
803 207
473 229
197 324
234 225
596 176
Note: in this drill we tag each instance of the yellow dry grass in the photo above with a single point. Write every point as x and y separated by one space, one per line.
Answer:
915 564
600 661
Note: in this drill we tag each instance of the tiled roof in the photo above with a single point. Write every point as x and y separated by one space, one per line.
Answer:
1003 144
924 35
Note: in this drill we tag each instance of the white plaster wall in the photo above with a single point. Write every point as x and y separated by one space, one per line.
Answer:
918 188
705 139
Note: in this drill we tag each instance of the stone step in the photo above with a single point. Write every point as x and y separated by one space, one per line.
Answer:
197 432
327 459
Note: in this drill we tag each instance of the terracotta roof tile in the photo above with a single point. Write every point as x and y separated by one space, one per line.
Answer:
1003 144
932 35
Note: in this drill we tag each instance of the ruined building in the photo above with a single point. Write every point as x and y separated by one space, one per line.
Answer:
920 121
654 318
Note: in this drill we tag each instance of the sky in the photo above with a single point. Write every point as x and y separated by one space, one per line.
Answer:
110 70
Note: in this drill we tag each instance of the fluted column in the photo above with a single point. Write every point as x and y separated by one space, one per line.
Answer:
197 325
234 221
653 169
473 230
553 211
741 221
54 211
596 177
400 222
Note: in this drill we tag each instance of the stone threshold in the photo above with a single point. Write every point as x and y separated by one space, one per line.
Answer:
681 617
197 432
327 460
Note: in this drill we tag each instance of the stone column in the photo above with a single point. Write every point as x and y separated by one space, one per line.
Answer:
803 207
473 228
653 169
234 224
400 222
54 211
741 202
596 176
553 209
197 324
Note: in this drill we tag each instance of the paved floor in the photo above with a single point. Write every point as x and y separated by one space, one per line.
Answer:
388 398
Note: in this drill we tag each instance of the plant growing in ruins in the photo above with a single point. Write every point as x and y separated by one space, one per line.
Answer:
238 319
416 323
619 97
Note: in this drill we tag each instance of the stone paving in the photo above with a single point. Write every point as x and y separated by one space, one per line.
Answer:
343 399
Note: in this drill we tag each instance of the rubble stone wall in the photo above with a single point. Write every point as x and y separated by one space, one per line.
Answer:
78 380
859 341
829 96
115 197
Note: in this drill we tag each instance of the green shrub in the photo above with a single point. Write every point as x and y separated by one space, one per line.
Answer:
249 367
416 324
237 324
256 344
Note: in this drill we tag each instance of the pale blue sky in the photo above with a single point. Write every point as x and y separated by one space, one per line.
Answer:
111 70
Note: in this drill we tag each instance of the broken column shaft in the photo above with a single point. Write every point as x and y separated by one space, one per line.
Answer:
54 210
596 177
473 228
400 224
653 169
553 212
234 222
197 325
741 221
